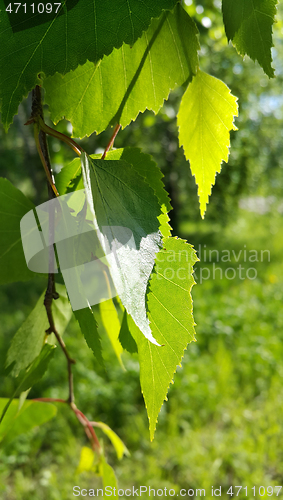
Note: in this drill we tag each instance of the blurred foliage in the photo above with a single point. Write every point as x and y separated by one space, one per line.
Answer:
222 423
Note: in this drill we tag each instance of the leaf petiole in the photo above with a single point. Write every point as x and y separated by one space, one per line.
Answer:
62 137
111 142
45 166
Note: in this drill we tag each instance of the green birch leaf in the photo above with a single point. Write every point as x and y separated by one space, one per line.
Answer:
33 374
125 337
13 206
169 305
118 444
20 421
148 169
37 369
125 215
107 474
111 323
130 80
30 338
32 43
86 460
205 118
248 23
69 178
89 330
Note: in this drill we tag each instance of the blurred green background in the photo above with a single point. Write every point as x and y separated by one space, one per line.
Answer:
222 424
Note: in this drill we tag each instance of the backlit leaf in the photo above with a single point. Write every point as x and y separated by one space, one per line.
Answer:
205 118
70 179
118 444
107 474
32 43
111 323
86 460
169 305
130 80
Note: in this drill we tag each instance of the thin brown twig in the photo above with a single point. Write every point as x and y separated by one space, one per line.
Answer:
40 138
89 430
87 425
42 157
51 294
111 142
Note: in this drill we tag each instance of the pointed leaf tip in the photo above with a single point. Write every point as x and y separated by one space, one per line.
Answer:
248 24
205 118
169 305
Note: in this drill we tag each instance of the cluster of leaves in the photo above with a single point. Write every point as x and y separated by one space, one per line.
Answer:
99 67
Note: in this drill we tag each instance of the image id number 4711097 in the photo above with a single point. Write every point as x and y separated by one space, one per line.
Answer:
261 491
38 8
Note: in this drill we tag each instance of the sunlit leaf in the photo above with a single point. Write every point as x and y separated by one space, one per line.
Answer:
86 460
107 474
70 178
111 323
130 80
169 305
205 118
118 444
32 43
